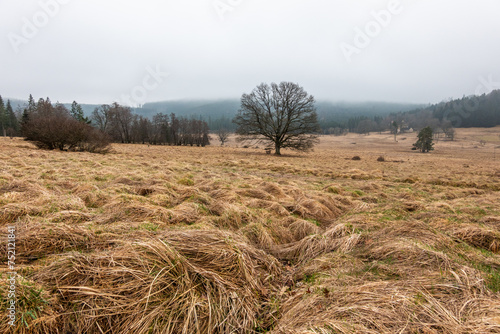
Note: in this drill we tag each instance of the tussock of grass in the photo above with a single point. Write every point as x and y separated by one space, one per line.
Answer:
481 238
339 237
413 306
37 239
183 282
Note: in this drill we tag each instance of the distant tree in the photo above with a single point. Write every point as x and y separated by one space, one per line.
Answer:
11 122
223 136
160 132
394 130
337 131
31 104
121 122
366 126
29 109
3 118
424 142
140 129
448 130
283 115
101 117
77 113
174 130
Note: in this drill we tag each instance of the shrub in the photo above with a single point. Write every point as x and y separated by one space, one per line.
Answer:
50 128
356 158
381 159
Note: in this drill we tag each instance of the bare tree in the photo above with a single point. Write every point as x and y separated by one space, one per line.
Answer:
223 136
282 114
449 131
101 117
394 130
121 122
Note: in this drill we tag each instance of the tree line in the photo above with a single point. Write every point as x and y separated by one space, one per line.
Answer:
53 126
123 126
472 111
9 125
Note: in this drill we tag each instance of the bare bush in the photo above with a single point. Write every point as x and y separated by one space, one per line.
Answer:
51 128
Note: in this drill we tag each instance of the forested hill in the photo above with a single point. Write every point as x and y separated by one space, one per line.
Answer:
219 113
338 114
472 111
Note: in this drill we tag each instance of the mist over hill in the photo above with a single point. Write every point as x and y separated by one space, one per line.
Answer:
219 113
472 111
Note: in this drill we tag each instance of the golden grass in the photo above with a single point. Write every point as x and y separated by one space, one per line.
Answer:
231 240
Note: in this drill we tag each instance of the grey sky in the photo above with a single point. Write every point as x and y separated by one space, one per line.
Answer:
101 51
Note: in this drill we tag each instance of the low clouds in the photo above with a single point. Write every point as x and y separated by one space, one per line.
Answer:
97 52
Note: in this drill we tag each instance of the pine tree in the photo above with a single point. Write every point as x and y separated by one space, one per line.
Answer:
424 142
77 113
12 125
3 118
32 106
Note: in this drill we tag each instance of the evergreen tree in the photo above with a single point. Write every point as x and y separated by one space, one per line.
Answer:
77 113
11 121
29 109
31 104
3 118
424 142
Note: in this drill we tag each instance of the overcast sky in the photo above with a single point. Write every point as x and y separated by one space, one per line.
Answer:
341 50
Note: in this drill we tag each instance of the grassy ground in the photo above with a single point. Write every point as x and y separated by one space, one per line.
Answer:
231 240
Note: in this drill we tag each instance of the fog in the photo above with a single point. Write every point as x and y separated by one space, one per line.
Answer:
136 52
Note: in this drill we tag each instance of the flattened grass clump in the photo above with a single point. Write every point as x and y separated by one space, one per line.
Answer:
183 282
417 305
480 238
38 239
338 237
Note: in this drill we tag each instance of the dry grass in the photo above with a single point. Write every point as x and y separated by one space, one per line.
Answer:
229 240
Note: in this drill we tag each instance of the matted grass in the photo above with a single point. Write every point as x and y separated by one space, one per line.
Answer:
158 239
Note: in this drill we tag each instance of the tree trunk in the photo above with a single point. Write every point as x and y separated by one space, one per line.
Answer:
277 148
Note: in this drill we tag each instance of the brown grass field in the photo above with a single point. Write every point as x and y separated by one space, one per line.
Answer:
159 239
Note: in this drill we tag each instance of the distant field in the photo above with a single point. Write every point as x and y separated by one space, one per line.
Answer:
159 239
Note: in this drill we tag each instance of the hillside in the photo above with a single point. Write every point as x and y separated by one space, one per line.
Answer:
219 113
467 112
160 239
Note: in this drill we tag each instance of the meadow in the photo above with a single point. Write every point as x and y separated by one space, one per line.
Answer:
163 239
